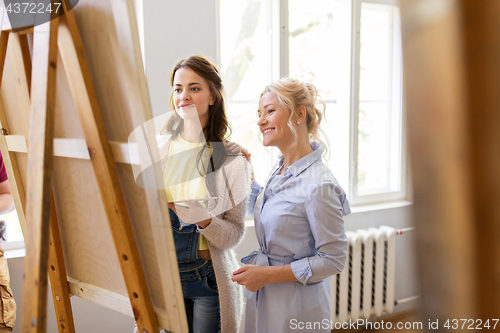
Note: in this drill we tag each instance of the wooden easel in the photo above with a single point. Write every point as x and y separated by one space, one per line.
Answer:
37 209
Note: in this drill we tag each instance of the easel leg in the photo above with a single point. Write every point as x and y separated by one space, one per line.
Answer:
40 157
57 275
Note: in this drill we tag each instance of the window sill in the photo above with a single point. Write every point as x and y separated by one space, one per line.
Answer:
380 206
14 249
17 253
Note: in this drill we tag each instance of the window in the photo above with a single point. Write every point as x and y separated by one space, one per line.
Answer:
377 171
247 65
320 53
351 51
13 234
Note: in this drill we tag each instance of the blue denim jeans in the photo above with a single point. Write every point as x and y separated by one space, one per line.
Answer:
201 299
199 285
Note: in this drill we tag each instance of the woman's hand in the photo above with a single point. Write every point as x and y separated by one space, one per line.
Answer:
195 213
252 277
256 277
235 148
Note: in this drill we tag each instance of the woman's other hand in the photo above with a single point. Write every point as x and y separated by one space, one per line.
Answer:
195 213
252 277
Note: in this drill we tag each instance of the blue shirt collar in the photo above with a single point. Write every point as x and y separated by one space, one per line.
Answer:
302 164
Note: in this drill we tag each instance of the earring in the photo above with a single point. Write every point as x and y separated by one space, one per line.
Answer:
298 123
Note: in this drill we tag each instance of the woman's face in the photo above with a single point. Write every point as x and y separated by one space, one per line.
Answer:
273 118
192 96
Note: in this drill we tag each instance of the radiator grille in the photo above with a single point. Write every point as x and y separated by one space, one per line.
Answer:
366 285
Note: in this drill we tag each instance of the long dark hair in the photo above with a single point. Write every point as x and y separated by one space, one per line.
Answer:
217 130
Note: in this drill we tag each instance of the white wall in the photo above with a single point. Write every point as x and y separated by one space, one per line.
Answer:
174 30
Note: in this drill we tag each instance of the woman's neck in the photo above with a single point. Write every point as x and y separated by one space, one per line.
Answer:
295 153
192 130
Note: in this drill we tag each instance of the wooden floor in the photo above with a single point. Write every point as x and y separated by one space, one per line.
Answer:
390 323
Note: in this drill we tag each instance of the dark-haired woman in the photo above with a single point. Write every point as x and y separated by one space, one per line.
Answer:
196 164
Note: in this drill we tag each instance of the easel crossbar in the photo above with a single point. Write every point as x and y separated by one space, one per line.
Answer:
123 152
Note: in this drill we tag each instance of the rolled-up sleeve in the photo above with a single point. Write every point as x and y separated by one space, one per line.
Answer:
255 189
324 211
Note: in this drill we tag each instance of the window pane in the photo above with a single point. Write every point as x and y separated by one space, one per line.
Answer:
320 53
379 121
244 43
246 67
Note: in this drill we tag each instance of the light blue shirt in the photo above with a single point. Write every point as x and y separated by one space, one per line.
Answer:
298 221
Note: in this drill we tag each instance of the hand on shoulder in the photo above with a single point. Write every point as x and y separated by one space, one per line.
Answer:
235 148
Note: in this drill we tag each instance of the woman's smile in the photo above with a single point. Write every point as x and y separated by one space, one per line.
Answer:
273 118
267 130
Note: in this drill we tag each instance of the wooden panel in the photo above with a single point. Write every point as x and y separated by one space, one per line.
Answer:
89 251
20 58
9 97
439 151
452 75
482 79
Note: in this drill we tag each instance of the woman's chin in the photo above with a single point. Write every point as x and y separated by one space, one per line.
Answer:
267 144
188 115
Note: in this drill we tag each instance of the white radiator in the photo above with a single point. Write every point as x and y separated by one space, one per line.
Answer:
366 285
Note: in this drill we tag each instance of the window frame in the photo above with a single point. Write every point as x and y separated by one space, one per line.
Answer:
277 44
354 198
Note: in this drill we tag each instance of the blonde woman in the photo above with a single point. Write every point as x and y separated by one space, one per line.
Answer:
298 219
